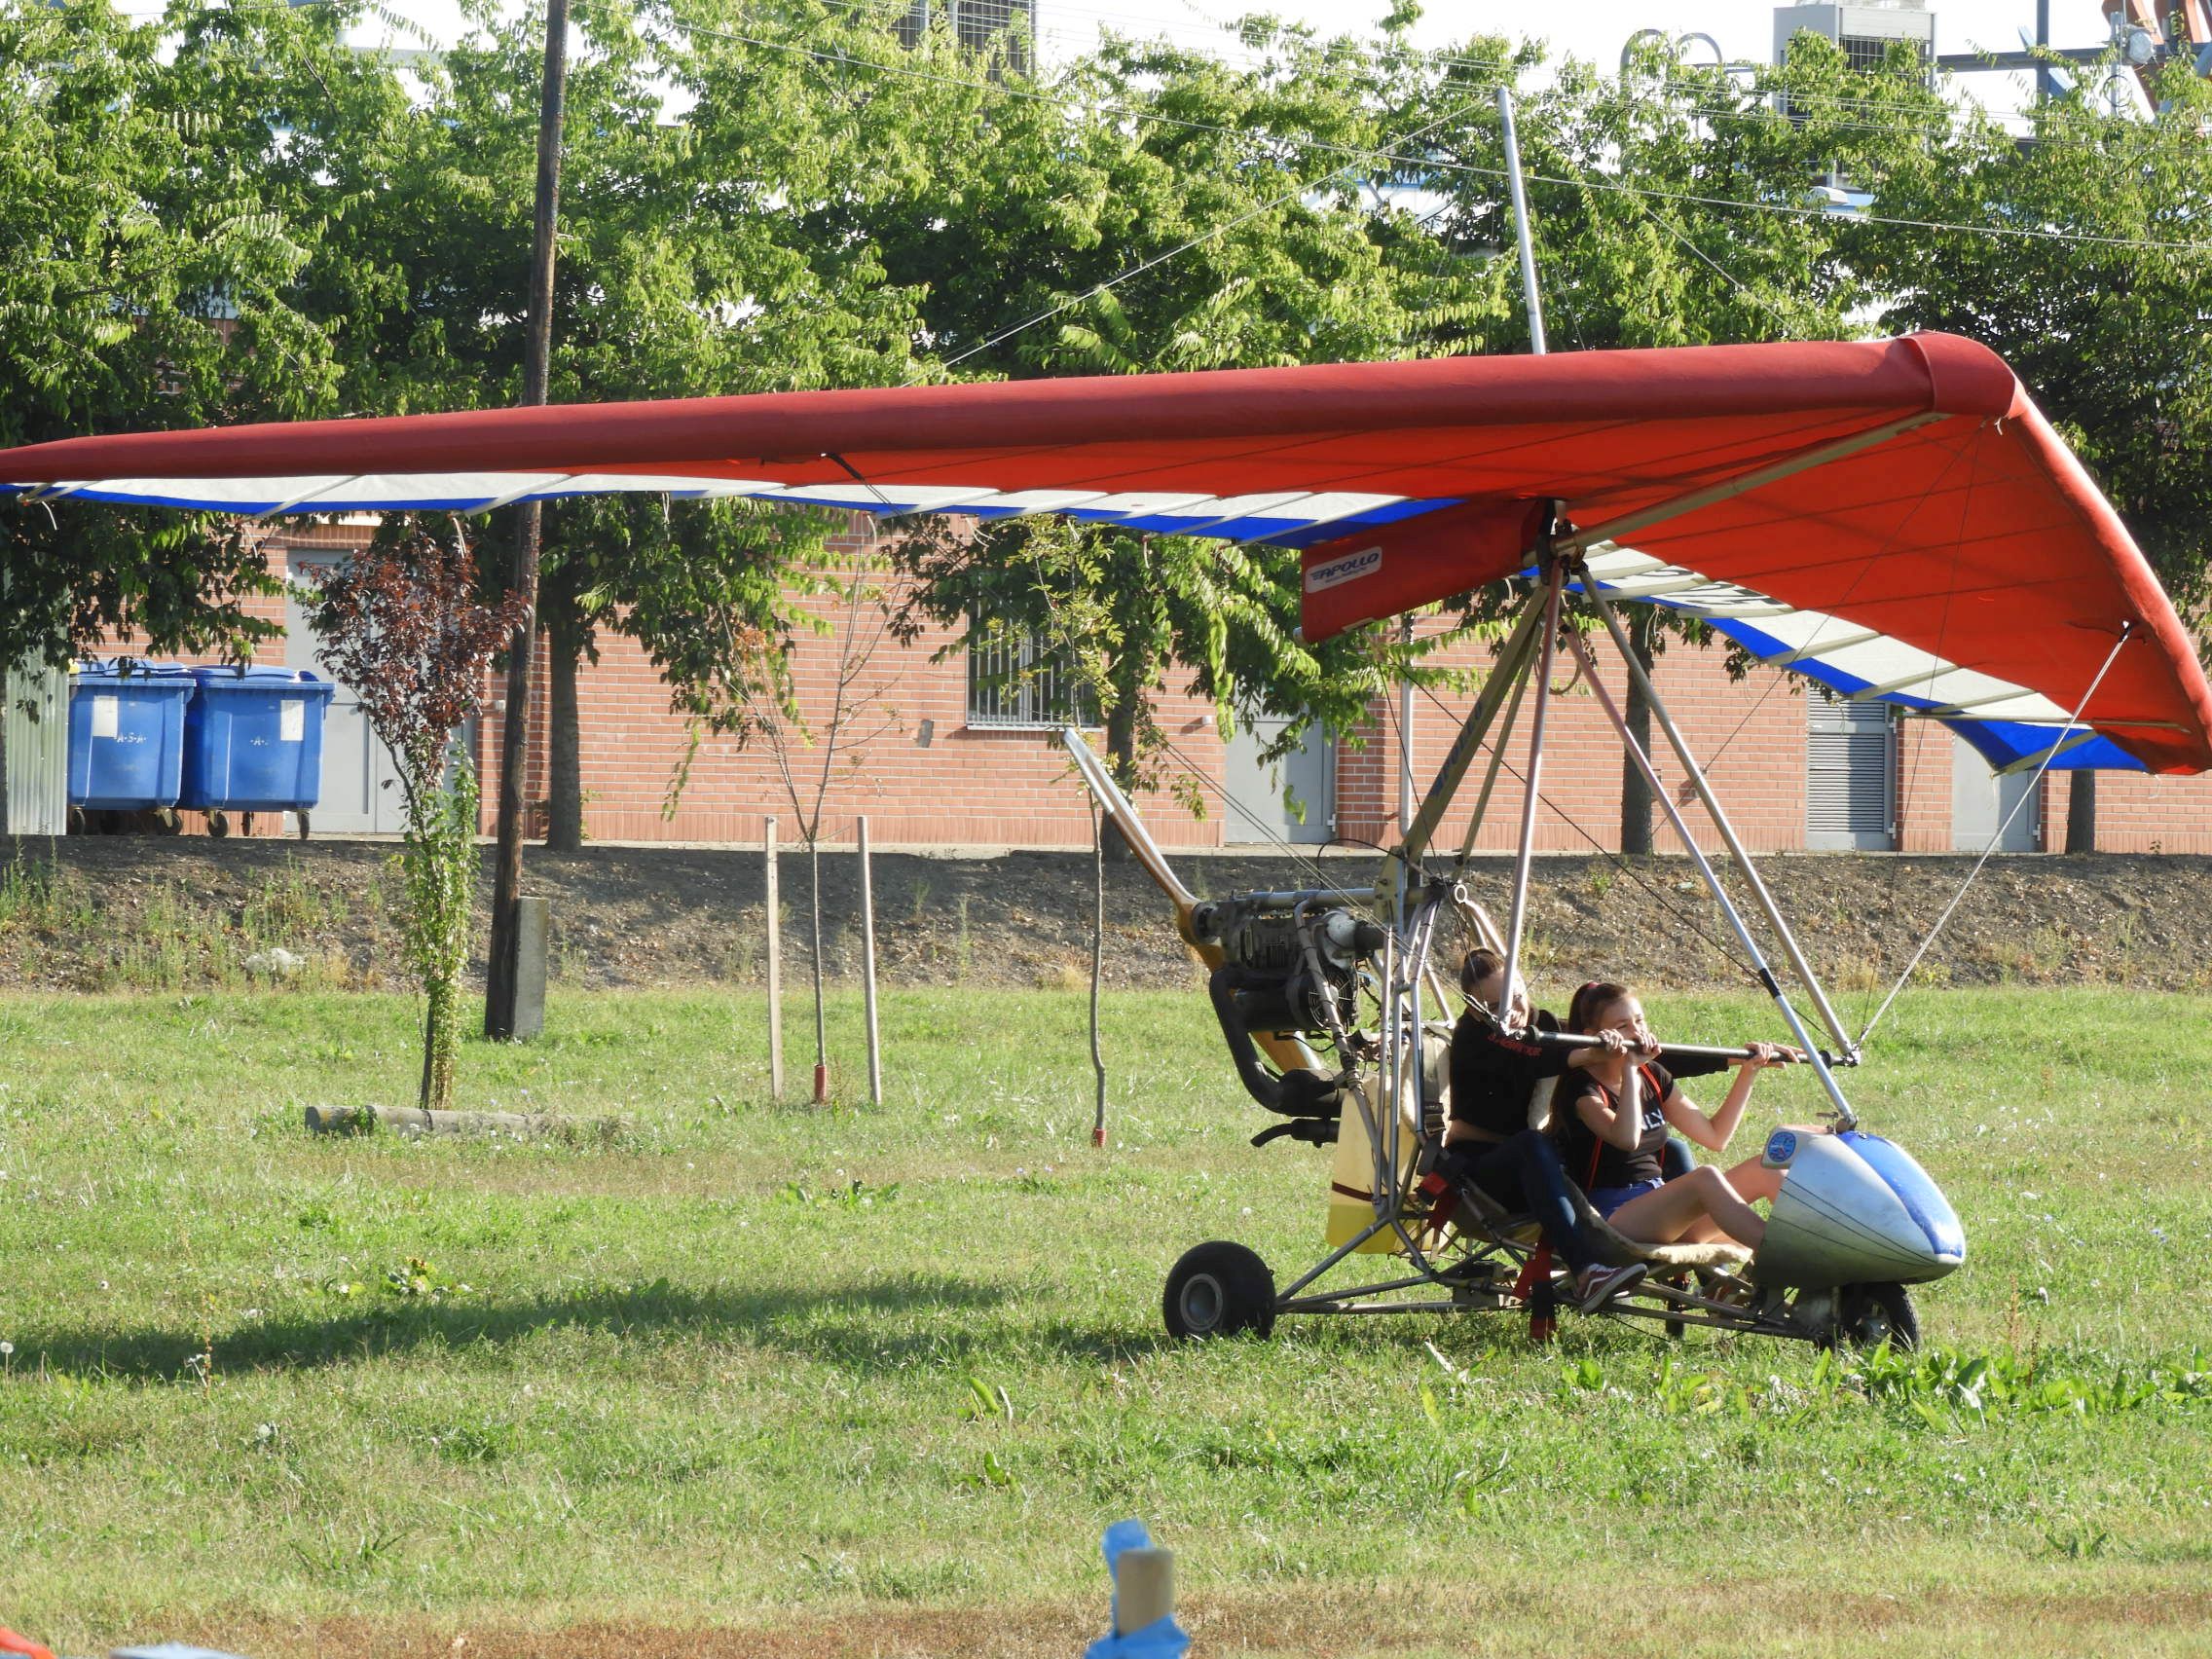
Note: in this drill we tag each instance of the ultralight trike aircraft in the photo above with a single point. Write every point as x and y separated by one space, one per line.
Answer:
1893 520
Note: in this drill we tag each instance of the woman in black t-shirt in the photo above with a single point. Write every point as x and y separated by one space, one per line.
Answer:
1615 1131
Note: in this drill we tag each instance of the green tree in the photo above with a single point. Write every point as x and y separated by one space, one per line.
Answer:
1651 202
2109 321
160 199
695 260
1244 228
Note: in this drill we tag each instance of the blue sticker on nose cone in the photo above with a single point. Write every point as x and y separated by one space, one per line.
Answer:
1781 1146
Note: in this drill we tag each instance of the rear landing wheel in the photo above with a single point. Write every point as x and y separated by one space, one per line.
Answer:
1217 1290
1868 1316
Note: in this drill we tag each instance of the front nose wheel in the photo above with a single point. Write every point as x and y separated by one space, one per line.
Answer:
1217 1290
1868 1316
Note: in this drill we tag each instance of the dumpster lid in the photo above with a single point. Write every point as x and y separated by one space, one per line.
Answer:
260 678
129 668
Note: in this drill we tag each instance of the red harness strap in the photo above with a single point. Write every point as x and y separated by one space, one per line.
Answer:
1443 1205
1535 1289
1596 1146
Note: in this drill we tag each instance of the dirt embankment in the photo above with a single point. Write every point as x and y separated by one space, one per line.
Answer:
124 911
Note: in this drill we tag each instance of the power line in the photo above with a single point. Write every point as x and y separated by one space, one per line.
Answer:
1442 57
1419 164
888 12
1933 119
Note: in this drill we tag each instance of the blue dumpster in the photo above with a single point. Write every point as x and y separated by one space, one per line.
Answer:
127 734
254 742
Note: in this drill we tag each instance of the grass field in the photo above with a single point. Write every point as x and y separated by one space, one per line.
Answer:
779 1381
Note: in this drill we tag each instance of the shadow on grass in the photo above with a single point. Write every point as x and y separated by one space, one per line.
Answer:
865 1327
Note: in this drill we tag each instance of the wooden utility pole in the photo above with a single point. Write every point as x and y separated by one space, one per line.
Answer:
500 978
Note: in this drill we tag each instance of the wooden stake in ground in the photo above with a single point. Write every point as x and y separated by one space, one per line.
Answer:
821 1027
867 972
775 970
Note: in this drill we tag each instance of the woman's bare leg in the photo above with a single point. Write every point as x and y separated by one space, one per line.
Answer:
1667 1216
1754 1181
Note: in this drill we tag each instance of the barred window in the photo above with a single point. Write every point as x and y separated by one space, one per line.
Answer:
976 25
1866 53
1015 679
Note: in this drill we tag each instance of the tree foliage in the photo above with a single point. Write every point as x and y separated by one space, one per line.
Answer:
694 261
2109 321
161 198
1242 208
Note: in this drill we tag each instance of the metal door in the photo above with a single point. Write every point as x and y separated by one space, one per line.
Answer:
34 751
360 782
1849 773
1981 800
1255 808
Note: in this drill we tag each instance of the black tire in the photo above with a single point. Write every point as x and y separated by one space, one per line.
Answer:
1219 1290
1870 1315
218 825
303 818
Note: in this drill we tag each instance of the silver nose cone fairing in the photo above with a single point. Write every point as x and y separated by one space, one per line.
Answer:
1853 1210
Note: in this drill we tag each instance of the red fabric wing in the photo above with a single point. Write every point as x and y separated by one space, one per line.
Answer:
1976 537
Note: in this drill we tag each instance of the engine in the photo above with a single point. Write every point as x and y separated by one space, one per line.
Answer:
1297 965
1290 966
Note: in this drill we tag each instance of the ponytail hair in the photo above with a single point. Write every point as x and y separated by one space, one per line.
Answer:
1593 999
1480 965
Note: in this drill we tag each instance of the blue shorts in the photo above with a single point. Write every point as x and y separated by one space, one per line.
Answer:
1607 1199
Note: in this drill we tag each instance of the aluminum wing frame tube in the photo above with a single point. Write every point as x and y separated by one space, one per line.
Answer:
1644 518
1846 1117
1790 948
1490 776
1116 807
1555 585
1405 1067
1512 662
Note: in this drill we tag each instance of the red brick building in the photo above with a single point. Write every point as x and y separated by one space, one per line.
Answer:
951 761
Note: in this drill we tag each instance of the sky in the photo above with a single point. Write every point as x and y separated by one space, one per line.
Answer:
1590 29
1594 29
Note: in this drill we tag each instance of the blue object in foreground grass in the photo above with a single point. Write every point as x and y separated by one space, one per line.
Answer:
1160 1637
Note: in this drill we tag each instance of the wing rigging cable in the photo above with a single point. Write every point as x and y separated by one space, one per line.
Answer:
1996 839
1682 914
